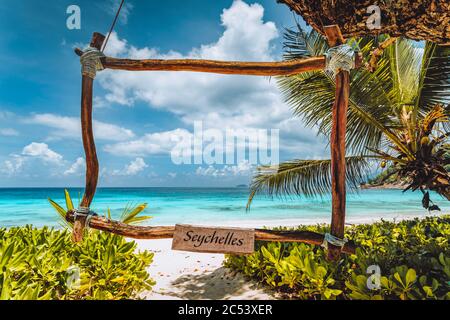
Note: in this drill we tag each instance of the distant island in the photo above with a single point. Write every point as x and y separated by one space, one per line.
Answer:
242 186
385 180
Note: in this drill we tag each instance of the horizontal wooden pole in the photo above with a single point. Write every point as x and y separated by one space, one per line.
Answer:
278 68
166 232
283 68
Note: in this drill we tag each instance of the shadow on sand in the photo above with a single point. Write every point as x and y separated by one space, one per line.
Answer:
220 284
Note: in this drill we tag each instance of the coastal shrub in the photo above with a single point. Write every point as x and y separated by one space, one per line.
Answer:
413 259
45 264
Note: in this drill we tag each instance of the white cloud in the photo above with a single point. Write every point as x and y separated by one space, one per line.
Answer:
13 165
77 167
18 163
135 167
244 168
9 132
229 99
42 151
131 169
71 127
218 100
152 143
111 6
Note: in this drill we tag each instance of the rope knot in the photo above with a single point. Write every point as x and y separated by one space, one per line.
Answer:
87 212
335 241
90 62
339 58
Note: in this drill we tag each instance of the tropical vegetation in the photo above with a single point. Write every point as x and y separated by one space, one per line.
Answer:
398 117
46 264
407 260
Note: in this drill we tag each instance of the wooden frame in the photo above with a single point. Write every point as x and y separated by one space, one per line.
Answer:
284 68
166 232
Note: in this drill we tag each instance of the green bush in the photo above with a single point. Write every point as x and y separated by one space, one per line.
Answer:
41 264
413 257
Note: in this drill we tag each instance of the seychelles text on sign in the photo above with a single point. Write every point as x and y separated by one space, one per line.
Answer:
213 240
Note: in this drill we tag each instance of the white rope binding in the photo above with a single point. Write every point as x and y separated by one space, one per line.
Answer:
84 211
90 62
339 58
335 241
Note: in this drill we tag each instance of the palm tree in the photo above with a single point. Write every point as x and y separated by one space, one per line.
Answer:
396 115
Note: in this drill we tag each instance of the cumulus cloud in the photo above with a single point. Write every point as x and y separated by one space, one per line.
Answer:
218 100
76 168
131 169
70 127
13 165
234 100
35 151
42 151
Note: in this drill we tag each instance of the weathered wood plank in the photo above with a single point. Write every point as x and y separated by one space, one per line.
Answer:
213 239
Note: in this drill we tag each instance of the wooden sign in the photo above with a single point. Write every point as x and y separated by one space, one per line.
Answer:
213 240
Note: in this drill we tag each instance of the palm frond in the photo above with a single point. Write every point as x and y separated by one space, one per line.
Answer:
304 177
404 58
299 44
311 96
434 85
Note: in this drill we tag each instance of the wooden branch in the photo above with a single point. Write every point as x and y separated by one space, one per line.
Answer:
166 232
337 146
281 68
334 35
284 68
92 167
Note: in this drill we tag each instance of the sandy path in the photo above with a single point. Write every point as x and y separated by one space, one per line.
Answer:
196 276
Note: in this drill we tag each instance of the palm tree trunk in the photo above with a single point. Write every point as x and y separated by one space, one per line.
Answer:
417 20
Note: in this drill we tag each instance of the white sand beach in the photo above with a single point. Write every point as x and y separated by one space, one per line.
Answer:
183 275
196 276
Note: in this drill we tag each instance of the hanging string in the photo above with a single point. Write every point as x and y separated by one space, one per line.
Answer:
113 24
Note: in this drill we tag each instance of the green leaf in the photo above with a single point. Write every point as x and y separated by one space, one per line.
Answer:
69 203
410 277
60 210
62 214
5 288
129 214
6 256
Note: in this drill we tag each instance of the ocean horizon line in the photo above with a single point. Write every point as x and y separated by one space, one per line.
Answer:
125 187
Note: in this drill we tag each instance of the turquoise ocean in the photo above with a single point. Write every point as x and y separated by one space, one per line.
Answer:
212 206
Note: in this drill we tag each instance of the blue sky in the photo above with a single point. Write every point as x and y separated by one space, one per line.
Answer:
137 114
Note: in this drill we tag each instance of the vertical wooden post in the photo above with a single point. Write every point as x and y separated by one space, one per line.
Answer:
87 133
337 145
